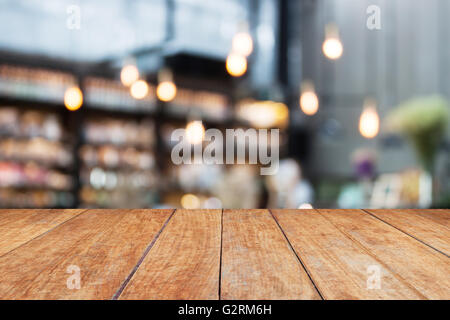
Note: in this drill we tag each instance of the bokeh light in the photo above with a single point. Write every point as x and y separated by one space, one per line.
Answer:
332 48
190 201
242 44
166 91
139 89
236 64
309 102
369 122
129 75
73 98
195 132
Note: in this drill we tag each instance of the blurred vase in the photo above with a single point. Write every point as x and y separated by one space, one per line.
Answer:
424 121
426 189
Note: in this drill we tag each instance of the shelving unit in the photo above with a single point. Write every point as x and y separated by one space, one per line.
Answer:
35 159
106 167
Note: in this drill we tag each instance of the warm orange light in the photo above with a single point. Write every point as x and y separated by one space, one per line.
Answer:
242 44
263 114
139 89
369 122
73 98
309 102
236 64
129 75
195 132
166 91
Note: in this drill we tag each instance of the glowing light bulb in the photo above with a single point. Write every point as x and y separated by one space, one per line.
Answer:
236 64
242 44
332 47
195 132
190 201
139 89
166 91
129 75
369 122
73 98
309 102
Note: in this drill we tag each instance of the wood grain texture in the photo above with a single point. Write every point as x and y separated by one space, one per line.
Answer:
421 267
257 261
440 216
184 263
434 231
18 226
104 244
338 266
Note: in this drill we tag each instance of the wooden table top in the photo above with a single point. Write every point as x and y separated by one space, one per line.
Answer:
224 254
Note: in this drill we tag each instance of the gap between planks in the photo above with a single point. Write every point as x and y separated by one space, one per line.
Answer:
220 263
138 264
370 251
298 257
44 233
371 254
408 234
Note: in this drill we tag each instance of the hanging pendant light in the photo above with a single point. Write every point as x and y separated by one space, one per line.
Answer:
166 89
309 102
369 122
73 98
332 46
236 64
241 48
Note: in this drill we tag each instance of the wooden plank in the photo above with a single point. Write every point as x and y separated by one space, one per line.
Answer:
19 226
422 267
339 267
439 216
257 261
104 244
422 227
185 261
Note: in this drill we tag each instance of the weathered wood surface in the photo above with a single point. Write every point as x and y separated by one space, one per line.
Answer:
422 267
432 227
340 268
257 261
224 254
20 226
103 245
185 261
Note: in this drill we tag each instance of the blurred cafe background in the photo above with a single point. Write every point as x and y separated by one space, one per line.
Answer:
90 92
